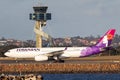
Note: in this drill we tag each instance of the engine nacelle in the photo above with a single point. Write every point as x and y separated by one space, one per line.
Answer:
41 58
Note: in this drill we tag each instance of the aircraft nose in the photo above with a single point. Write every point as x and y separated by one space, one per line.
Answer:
7 54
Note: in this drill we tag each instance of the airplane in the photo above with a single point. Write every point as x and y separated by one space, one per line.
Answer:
58 53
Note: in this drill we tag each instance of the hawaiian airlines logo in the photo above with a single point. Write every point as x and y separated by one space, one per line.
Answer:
109 36
105 41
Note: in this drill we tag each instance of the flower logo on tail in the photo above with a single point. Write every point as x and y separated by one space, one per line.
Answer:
109 36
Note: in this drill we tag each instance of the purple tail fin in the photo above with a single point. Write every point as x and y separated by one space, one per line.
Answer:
106 40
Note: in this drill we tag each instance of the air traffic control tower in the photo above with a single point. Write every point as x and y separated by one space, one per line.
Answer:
40 16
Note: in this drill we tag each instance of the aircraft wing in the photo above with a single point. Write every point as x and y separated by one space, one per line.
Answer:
50 56
54 53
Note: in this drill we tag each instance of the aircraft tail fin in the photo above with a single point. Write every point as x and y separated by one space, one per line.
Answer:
106 40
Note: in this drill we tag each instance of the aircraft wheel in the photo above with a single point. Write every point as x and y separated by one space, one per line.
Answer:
59 61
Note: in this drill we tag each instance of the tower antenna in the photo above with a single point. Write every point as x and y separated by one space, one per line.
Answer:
40 3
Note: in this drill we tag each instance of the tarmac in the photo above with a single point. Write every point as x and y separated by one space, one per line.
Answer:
93 59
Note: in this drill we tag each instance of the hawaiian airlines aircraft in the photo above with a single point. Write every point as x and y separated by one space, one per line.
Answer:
58 53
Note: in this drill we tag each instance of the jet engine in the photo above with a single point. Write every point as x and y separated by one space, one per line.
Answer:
41 58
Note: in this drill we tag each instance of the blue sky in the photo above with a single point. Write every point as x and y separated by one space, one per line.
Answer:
69 18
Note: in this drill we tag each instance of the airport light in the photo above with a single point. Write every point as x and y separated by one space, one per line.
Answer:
40 16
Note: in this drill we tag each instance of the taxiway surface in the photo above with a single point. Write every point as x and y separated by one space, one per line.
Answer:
95 59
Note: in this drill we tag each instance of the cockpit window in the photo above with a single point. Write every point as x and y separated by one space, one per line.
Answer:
8 51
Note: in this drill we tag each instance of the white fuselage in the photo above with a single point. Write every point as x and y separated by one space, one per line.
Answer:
32 52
